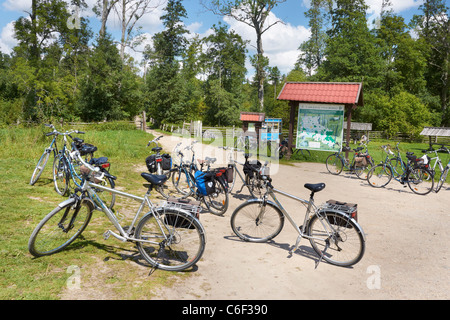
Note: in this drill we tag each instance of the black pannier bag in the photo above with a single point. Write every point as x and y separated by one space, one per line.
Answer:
166 162
150 161
249 167
229 174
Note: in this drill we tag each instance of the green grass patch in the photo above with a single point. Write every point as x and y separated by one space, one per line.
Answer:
107 267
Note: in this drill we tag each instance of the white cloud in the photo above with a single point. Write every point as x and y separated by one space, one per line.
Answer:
7 40
17 5
280 42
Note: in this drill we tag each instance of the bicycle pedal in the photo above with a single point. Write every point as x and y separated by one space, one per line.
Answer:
106 235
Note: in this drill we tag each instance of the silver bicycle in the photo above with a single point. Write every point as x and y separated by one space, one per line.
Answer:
169 236
332 229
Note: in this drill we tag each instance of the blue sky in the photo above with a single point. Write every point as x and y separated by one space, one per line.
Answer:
280 43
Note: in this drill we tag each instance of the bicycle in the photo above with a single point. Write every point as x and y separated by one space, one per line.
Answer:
169 236
185 181
415 174
436 159
66 169
42 162
160 165
334 234
359 164
443 177
249 179
283 149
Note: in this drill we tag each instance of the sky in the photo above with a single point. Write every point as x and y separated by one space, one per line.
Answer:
280 42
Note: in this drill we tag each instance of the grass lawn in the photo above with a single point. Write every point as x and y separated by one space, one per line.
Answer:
107 268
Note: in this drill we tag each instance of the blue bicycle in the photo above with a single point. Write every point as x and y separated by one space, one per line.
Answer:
44 158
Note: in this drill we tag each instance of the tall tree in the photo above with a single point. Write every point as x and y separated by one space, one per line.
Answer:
253 13
351 54
433 26
224 63
166 92
313 50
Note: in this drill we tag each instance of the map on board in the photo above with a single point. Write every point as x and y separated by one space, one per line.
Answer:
320 127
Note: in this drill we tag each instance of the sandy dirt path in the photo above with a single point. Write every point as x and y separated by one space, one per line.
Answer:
406 251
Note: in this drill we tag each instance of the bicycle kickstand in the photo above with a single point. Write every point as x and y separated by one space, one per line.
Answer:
327 244
297 244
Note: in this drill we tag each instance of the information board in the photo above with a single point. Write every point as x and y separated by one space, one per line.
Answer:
320 127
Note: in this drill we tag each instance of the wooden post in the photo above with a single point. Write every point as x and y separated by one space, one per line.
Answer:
144 121
292 105
349 108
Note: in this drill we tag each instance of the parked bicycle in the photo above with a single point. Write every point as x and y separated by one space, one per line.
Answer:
435 161
443 177
249 178
169 236
415 175
202 185
359 164
42 162
332 230
283 149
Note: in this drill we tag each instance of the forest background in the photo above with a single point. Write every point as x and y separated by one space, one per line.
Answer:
63 69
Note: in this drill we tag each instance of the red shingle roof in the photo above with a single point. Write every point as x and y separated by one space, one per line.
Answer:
322 92
253 116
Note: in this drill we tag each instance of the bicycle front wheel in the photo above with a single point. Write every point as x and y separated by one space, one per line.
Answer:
60 228
442 179
173 240
39 167
255 221
379 176
420 181
334 164
336 238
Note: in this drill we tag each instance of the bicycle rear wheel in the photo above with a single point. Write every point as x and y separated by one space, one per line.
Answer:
39 167
336 238
217 202
172 241
181 182
255 221
420 181
334 164
60 227
379 176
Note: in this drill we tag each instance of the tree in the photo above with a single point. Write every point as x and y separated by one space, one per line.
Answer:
253 13
166 95
433 26
129 13
224 63
403 62
351 54
313 50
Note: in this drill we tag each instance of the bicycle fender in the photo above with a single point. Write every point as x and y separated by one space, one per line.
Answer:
66 202
346 216
183 211
260 200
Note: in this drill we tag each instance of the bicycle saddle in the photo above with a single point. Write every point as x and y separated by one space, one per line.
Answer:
156 149
154 179
315 187
98 161
212 160
78 140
